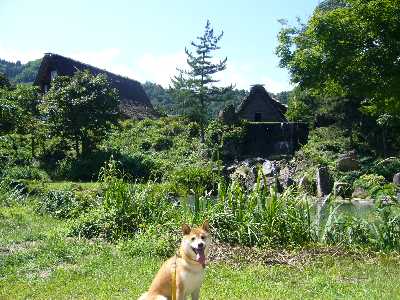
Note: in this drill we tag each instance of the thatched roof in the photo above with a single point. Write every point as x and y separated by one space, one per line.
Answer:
134 101
258 92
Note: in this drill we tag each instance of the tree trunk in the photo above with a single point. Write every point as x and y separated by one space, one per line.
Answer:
77 145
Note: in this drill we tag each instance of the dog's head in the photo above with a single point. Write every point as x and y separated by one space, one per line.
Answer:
195 242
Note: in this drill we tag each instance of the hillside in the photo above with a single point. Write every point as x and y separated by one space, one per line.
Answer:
18 72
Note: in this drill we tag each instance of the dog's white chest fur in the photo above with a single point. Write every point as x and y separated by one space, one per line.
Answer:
191 280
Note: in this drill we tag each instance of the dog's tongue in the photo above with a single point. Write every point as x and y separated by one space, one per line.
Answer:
200 257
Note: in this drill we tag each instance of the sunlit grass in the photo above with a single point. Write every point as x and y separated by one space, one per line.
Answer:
38 261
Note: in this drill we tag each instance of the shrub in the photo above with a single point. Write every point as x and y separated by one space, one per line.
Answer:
65 204
124 209
371 183
261 218
386 168
156 241
162 143
10 195
197 179
25 172
324 145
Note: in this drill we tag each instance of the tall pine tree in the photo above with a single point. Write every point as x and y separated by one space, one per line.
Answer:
193 88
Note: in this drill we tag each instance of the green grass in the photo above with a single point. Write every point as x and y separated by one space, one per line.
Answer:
38 261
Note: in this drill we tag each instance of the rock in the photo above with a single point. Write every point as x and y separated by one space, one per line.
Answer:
396 179
351 154
360 193
324 182
245 175
342 189
269 168
285 177
346 164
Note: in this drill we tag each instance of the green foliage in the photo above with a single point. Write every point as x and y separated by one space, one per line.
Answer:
18 172
194 179
383 233
18 72
159 147
345 54
375 185
156 241
224 141
81 108
261 217
324 145
386 167
159 97
10 195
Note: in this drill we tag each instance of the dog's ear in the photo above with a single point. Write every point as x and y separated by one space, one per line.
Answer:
205 226
186 229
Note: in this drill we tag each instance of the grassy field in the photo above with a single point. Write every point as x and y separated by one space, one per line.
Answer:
39 261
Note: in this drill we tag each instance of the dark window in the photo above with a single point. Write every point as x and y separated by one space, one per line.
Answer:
257 117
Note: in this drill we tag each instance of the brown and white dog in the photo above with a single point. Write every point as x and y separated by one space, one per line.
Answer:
186 267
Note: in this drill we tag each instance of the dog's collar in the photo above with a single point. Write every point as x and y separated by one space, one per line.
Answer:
184 256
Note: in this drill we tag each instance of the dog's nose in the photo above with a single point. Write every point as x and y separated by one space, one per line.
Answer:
200 245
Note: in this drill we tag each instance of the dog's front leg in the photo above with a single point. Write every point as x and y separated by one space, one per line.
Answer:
196 294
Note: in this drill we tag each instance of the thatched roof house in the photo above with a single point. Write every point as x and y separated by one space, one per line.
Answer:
259 106
134 101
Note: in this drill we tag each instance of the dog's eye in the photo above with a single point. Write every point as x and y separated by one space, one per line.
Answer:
193 238
203 237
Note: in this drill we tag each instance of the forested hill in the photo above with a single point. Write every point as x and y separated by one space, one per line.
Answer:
18 72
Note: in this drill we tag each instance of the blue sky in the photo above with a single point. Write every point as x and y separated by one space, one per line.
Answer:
145 40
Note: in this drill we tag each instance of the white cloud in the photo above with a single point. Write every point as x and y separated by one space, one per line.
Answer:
154 67
160 68
104 58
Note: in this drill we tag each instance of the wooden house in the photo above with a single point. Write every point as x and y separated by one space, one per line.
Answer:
134 101
259 106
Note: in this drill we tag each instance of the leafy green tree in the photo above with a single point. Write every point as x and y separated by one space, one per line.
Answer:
81 109
348 53
19 112
194 88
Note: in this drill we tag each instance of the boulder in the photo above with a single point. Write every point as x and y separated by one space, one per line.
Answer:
324 182
346 164
396 179
245 175
342 189
359 192
285 177
270 168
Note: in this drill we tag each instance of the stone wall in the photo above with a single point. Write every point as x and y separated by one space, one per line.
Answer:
270 139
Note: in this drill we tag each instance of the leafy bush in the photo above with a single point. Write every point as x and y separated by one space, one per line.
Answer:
25 172
324 145
162 143
10 195
371 183
197 179
155 241
381 233
65 204
124 208
225 141
386 167
261 218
